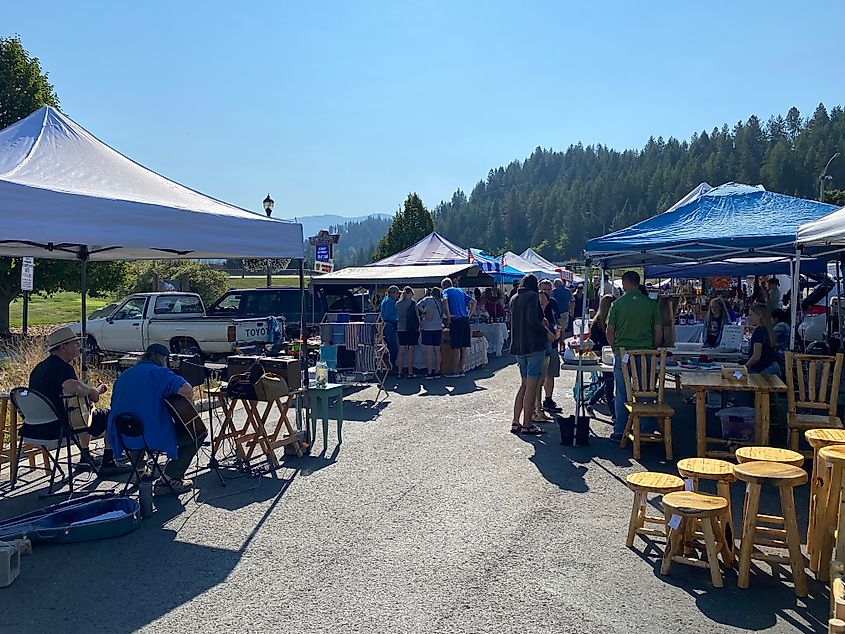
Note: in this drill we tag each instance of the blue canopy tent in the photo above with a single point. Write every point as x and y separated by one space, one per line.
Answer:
734 267
729 221
504 275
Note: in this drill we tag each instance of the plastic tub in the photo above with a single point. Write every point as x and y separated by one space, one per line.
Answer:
737 422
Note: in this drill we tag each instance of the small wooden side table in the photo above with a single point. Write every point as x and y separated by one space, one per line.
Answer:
322 396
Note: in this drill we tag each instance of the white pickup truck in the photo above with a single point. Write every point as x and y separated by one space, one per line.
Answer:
178 321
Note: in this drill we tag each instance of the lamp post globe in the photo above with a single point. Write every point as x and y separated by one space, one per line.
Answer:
268 209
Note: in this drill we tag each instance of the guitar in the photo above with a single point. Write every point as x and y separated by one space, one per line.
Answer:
183 412
79 411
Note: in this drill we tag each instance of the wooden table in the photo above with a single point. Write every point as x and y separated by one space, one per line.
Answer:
711 353
253 433
761 384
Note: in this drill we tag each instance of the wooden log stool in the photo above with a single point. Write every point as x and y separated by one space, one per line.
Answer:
819 491
785 477
769 454
830 530
722 473
642 484
685 512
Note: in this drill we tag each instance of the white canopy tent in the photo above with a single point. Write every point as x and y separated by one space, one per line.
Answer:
64 194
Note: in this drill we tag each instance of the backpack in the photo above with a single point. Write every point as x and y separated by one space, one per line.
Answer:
412 319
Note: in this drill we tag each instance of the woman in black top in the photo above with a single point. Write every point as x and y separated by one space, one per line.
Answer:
763 358
717 317
598 335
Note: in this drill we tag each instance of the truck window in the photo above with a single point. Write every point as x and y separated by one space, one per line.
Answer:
289 304
177 305
259 304
227 305
131 309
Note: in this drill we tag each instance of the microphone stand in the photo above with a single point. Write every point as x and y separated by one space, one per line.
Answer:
213 463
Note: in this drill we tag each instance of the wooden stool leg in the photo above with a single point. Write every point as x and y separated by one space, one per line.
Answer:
811 519
749 526
818 515
793 541
824 532
13 438
635 427
672 547
4 405
710 543
794 439
667 437
727 524
636 521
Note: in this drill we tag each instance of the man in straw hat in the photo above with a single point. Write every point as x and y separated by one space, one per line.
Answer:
54 377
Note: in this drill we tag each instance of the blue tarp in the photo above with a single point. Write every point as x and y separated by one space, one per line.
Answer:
729 221
732 268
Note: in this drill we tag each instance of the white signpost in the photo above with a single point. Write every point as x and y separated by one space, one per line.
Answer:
27 279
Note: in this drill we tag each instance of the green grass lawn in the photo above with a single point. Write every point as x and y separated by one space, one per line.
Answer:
58 308
260 281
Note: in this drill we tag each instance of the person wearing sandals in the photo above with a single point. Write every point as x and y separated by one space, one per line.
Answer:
529 338
408 331
430 310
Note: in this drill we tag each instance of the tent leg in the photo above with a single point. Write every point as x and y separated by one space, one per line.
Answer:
795 298
839 299
83 282
303 348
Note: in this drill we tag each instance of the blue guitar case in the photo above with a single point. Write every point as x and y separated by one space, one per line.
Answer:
86 519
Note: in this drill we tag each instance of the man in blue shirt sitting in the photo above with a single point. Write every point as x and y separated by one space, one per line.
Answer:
457 307
141 391
390 317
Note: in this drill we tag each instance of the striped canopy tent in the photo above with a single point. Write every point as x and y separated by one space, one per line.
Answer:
435 249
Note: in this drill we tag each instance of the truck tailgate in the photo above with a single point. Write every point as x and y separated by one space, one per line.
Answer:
252 330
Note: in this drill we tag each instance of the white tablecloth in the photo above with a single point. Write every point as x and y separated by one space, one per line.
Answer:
689 334
495 335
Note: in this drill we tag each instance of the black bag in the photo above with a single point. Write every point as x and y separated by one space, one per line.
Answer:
582 433
412 319
567 429
243 385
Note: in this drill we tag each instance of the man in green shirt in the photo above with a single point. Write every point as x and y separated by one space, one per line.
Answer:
633 323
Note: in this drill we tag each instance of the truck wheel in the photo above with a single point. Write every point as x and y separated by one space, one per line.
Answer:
186 346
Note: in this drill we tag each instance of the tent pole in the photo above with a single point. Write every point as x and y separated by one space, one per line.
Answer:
839 298
83 282
796 297
303 349
579 380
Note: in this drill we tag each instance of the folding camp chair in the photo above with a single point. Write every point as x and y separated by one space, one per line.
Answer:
38 411
130 426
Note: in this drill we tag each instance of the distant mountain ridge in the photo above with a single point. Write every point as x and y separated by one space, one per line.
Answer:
312 224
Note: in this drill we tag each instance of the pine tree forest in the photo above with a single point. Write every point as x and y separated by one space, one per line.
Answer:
554 201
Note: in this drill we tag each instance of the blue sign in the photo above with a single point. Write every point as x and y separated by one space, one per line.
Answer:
322 253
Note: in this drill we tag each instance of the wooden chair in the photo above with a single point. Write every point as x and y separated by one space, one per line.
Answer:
642 484
685 511
644 373
785 477
812 384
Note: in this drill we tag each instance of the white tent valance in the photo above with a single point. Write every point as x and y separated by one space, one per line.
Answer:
64 194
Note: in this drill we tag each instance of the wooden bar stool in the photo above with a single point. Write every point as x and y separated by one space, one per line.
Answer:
642 484
819 485
769 454
694 509
832 526
785 477
722 473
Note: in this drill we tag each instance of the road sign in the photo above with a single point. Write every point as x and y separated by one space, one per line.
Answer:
27 274
324 267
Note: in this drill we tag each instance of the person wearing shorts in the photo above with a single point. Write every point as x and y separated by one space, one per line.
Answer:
430 310
552 313
457 307
529 339
408 331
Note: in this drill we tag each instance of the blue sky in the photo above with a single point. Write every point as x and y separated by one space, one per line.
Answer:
345 107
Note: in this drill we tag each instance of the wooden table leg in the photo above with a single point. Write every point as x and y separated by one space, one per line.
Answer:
765 417
701 422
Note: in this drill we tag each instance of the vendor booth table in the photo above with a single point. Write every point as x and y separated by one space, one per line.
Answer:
690 333
476 358
495 333
760 384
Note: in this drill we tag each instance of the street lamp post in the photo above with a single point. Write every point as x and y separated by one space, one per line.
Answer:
825 177
268 209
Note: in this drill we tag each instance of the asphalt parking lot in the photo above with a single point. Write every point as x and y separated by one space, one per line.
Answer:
431 517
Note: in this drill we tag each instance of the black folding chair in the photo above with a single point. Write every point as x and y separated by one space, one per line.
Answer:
38 411
130 426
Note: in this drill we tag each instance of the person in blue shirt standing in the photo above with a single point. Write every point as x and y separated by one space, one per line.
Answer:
457 307
390 317
563 297
141 390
